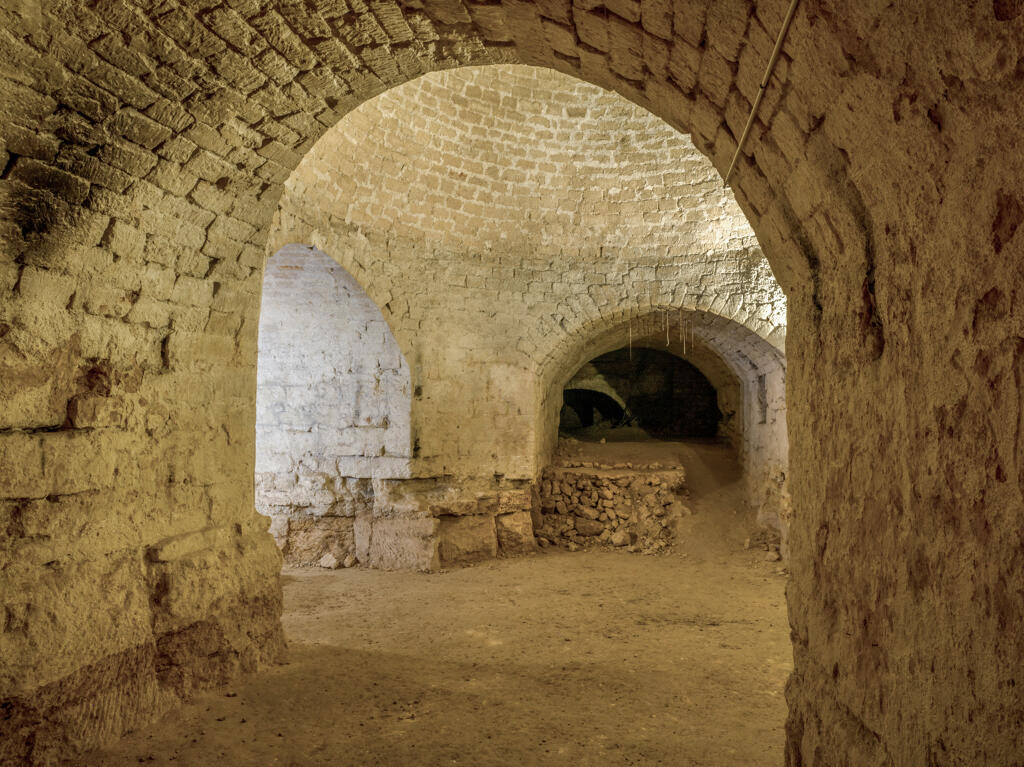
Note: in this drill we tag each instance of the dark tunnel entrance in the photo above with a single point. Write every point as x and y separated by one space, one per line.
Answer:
663 396
583 408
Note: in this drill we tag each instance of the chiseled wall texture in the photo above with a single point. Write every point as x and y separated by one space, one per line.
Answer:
143 150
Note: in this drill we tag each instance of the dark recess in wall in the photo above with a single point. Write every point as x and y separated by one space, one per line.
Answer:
665 396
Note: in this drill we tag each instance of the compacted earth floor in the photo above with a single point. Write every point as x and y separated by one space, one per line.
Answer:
585 658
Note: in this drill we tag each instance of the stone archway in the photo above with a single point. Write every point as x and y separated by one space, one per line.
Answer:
144 152
747 371
437 212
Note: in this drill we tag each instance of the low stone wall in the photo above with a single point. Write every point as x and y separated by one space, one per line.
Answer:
633 506
408 524
316 526
436 522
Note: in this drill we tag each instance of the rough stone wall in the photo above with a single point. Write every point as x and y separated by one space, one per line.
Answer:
144 147
332 405
632 506
133 567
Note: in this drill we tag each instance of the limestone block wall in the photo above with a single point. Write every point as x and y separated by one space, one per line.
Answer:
433 522
333 401
144 148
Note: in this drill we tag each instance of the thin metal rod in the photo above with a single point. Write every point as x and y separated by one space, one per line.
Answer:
763 86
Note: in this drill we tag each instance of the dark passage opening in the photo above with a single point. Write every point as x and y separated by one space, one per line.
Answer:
586 407
665 396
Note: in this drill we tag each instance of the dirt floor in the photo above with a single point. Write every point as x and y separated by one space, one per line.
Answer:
587 658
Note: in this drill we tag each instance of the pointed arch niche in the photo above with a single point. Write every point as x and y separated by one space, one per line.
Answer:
333 401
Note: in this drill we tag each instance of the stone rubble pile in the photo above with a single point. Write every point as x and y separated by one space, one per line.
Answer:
584 503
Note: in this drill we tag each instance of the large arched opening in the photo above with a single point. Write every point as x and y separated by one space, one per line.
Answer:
743 372
484 251
144 150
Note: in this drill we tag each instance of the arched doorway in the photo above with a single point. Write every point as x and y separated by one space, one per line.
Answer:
662 396
732 378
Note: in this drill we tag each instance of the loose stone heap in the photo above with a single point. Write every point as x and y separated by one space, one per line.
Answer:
586 503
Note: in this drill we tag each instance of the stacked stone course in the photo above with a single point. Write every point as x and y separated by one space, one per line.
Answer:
585 503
